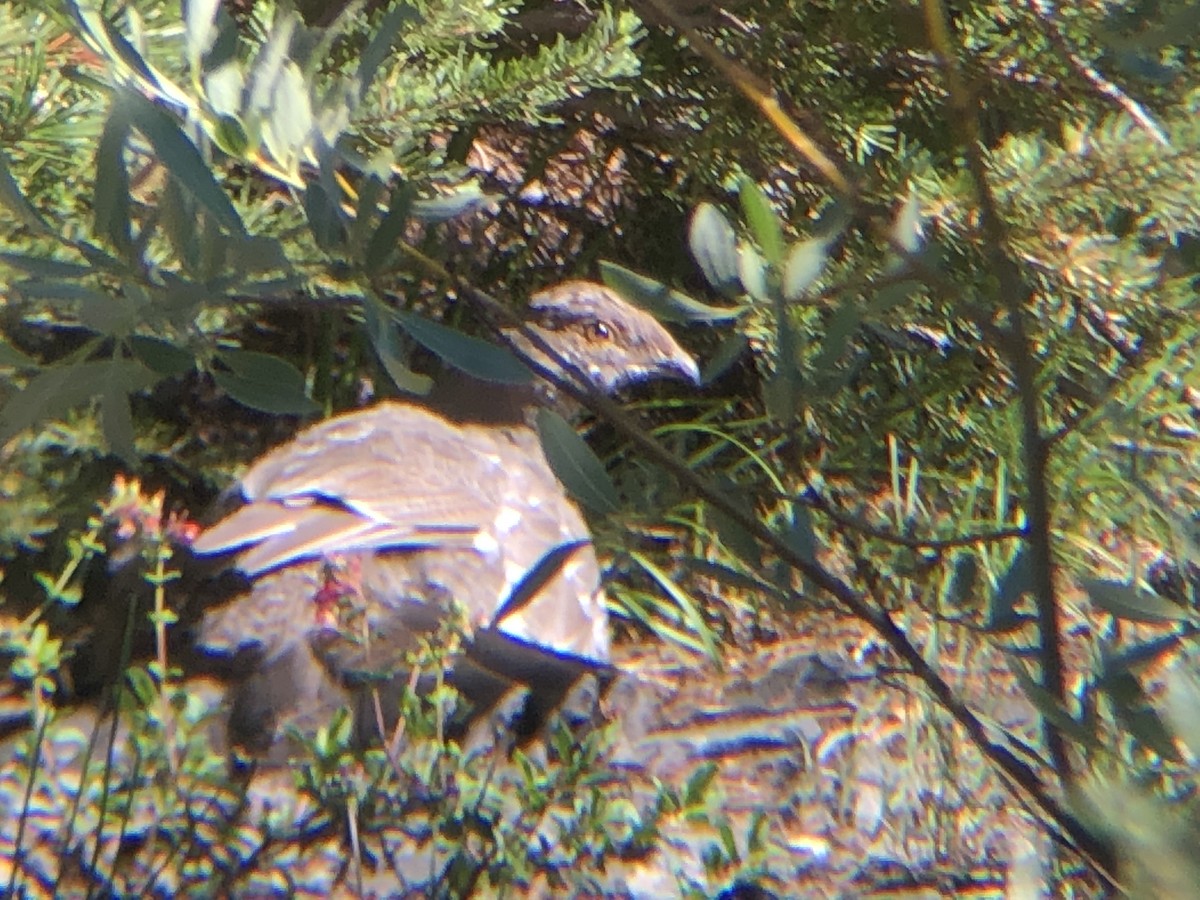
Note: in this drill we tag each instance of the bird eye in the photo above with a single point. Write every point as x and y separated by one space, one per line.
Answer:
598 331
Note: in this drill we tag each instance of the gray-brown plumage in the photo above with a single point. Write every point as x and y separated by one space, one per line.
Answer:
398 511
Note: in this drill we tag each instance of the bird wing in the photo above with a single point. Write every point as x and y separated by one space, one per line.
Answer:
393 476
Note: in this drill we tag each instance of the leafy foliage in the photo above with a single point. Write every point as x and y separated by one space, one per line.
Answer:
943 385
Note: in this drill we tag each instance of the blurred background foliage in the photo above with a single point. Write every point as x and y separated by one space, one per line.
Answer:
212 212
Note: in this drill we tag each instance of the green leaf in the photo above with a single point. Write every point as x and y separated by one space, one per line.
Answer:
381 329
732 348
764 224
12 358
695 790
161 357
44 268
661 301
576 466
52 393
1134 711
381 44
391 228
805 262
231 137
253 255
714 247
182 159
906 231
1014 584
289 122
838 332
200 29
691 610
462 199
14 201
752 269
1126 601
963 580
101 312
1048 705
264 382
476 357
1181 705
110 200
116 420
324 218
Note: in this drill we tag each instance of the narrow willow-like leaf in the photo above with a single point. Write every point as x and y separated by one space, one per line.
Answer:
381 330
200 28
385 238
381 42
661 301
906 231
44 268
110 200
161 357
476 357
182 159
805 262
324 219
1014 584
14 201
1126 601
462 199
838 332
732 348
764 223
12 358
714 247
752 269
690 609
52 393
576 466
264 382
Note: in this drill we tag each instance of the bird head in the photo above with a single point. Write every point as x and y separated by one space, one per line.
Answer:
608 339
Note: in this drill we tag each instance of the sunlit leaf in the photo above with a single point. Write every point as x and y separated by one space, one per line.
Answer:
752 269
714 247
805 262
382 331
764 223
200 29
907 231
660 300
462 199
